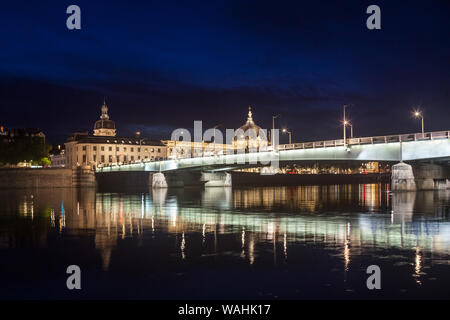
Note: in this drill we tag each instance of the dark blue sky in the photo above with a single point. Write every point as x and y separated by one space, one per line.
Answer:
163 64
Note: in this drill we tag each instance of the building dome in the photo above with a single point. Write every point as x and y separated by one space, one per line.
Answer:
250 136
104 126
250 124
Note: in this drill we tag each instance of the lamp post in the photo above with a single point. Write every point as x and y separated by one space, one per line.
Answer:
216 126
345 125
290 135
418 114
273 127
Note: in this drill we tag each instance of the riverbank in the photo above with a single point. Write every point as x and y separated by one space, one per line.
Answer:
45 178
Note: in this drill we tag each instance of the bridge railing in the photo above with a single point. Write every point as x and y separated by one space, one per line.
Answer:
367 140
350 141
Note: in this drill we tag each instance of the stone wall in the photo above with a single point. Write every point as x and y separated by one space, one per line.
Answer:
46 178
36 178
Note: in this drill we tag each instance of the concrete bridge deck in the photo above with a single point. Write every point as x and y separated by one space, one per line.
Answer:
407 147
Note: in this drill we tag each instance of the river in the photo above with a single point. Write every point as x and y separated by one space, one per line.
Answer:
305 242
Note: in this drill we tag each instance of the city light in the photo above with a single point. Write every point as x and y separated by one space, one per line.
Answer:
419 114
289 133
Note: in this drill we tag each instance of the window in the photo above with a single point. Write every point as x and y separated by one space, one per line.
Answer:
103 148
117 148
124 149
84 148
153 149
124 158
117 159
159 149
139 157
103 158
95 158
95 148
84 158
110 159
132 158
132 149
139 149
110 149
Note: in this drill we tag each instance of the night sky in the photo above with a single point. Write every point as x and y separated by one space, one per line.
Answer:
163 64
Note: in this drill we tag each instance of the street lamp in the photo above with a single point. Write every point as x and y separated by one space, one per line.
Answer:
273 127
290 135
347 123
418 114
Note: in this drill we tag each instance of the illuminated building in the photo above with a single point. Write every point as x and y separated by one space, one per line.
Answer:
250 136
104 147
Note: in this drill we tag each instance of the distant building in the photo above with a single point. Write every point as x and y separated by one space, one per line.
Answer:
25 132
250 136
105 148
190 149
58 160
22 147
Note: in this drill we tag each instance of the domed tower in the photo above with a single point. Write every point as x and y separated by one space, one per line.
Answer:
104 126
250 124
250 134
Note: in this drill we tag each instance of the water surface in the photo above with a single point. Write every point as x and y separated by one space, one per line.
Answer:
221 243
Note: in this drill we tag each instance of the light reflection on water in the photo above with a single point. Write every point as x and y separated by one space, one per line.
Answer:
351 221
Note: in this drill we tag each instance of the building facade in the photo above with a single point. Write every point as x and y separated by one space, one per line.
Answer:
58 160
104 147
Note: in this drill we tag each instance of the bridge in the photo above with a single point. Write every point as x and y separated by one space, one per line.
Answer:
428 147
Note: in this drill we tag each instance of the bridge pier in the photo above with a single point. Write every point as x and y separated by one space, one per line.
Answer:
216 179
157 180
423 176
429 176
83 177
175 179
402 177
